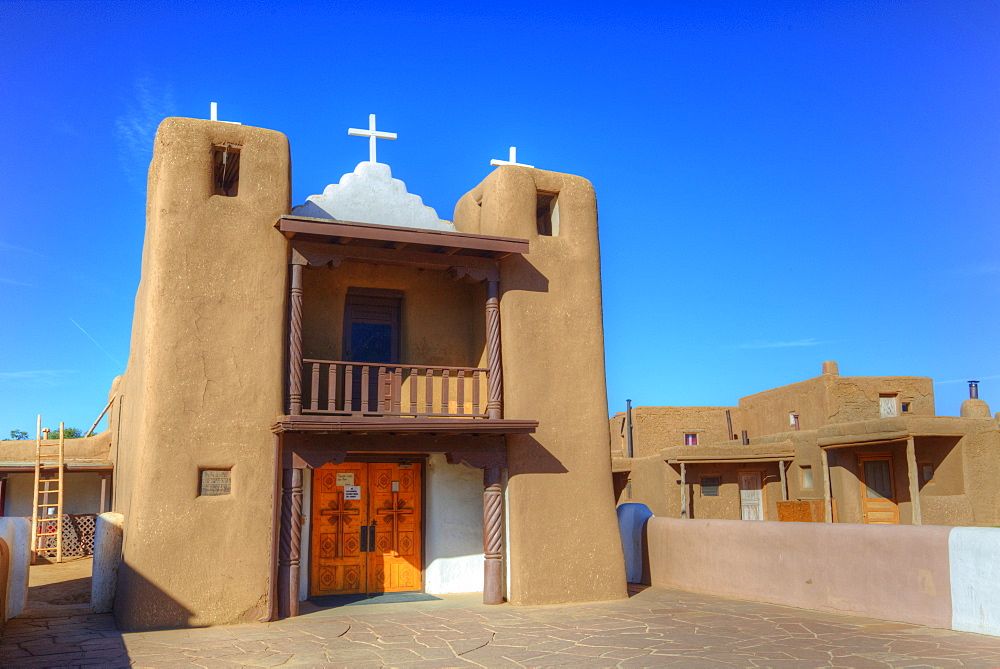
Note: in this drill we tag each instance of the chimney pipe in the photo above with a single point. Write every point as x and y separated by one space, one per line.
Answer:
973 390
628 426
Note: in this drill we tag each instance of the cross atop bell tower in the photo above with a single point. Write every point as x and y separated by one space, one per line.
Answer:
372 134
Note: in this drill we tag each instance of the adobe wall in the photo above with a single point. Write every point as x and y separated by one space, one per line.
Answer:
885 571
828 398
553 364
442 319
204 382
726 505
95 447
83 493
655 428
653 484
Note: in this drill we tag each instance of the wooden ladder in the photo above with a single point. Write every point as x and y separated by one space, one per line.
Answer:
50 468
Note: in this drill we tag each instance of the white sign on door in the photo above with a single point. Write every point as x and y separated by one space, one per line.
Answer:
352 492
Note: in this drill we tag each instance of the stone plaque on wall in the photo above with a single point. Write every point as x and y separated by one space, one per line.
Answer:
215 482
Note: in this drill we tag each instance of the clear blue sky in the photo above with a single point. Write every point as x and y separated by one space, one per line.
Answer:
779 183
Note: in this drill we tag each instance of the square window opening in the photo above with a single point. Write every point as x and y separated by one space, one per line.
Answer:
710 486
690 438
905 407
226 170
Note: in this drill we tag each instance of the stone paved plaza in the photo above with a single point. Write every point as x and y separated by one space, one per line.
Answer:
655 627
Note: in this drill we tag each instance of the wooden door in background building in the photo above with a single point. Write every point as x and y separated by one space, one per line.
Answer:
878 492
388 497
751 496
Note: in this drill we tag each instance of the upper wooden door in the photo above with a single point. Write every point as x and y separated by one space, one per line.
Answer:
751 496
371 334
878 491
389 503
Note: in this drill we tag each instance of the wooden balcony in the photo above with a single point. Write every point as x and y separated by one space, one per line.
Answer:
341 388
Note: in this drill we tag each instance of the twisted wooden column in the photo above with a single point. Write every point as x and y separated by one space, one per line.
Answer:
295 341
492 536
291 543
494 402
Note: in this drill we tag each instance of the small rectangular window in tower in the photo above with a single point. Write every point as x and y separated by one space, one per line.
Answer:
547 213
690 438
806 476
226 170
905 406
887 405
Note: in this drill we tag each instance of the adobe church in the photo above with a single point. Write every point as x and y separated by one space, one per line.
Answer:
355 396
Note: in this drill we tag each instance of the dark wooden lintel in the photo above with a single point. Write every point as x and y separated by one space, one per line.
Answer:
323 254
314 450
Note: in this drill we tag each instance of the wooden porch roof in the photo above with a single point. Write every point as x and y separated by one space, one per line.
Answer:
369 235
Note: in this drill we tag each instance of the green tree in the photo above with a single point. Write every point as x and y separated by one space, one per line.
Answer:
18 435
68 432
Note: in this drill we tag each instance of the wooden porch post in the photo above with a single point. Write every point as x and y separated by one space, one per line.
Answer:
492 536
784 481
295 337
911 473
104 492
291 543
494 403
827 491
684 496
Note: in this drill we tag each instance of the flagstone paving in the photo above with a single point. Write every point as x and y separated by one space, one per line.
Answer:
655 627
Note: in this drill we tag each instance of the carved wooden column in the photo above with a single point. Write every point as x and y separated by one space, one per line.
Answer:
494 403
295 337
291 543
492 536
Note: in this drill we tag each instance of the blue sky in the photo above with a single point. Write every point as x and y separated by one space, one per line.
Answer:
779 183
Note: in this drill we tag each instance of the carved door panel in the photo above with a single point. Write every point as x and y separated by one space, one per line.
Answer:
389 499
337 564
395 509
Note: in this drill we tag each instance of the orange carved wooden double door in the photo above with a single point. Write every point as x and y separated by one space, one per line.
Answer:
365 528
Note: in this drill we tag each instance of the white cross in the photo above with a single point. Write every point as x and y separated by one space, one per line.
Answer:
215 114
512 161
372 134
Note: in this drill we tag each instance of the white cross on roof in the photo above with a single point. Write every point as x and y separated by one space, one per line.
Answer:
215 114
512 161
372 135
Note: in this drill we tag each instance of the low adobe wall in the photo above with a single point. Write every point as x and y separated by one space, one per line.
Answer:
945 577
891 572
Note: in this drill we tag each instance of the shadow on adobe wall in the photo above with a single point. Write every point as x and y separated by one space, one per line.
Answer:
520 274
146 606
525 455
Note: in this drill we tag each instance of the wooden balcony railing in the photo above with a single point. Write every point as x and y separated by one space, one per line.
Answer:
336 387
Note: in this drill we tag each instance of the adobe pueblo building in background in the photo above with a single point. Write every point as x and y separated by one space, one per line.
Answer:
353 395
830 448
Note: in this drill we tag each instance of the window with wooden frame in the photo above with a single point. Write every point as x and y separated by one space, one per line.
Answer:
690 438
906 405
710 486
226 170
806 476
